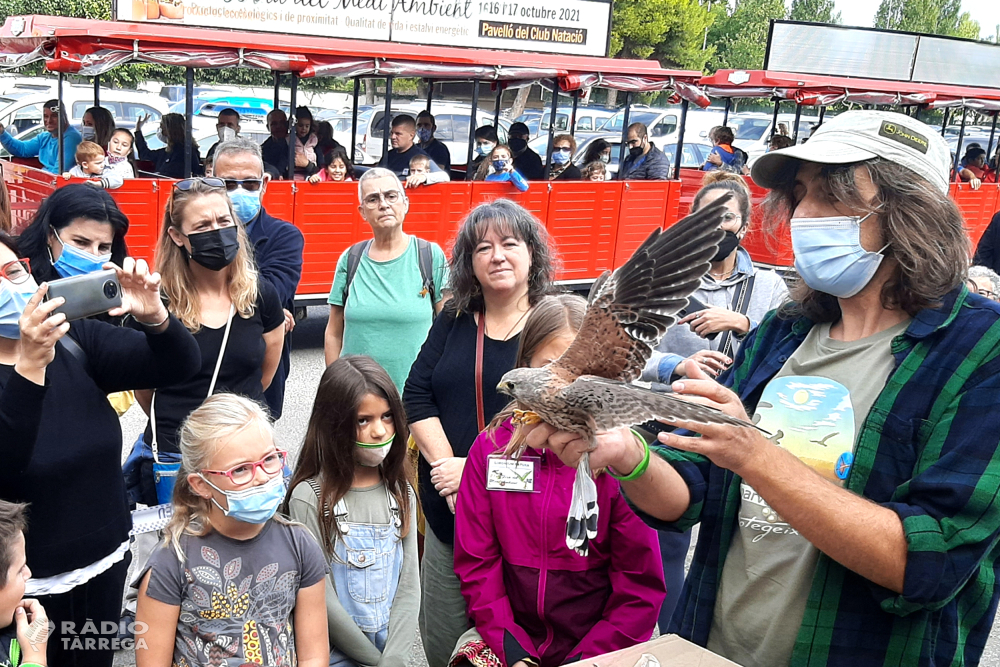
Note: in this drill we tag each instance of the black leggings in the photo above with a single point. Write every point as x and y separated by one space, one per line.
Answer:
84 616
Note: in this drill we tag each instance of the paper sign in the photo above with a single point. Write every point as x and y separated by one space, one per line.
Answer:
504 474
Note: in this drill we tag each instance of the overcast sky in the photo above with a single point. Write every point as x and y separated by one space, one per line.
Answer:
862 13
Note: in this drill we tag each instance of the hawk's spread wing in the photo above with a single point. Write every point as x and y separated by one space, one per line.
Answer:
615 404
630 311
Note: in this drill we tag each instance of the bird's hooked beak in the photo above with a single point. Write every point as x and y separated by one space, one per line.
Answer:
506 387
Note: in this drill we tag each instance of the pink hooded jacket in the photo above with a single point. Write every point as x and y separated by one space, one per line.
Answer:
529 594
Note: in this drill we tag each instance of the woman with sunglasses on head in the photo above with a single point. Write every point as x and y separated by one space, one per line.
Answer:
563 150
60 438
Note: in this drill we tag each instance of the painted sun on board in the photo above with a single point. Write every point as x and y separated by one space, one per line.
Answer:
801 397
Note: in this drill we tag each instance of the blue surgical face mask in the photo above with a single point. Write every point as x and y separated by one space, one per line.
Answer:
246 205
254 505
424 134
484 149
829 255
13 299
75 262
371 454
560 156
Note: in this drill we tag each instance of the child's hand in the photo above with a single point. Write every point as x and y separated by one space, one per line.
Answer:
315 178
32 631
67 175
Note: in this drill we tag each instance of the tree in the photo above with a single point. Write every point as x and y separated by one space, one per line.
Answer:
672 31
816 11
740 38
934 17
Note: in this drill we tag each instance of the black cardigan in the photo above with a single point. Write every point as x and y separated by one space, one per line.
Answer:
442 384
61 443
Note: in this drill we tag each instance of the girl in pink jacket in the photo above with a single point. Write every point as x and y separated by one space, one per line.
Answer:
533 601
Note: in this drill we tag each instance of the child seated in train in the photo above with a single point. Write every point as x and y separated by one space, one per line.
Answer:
595 171
120 155
499 166
90 164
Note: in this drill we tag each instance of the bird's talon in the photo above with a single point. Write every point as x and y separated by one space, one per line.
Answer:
525 418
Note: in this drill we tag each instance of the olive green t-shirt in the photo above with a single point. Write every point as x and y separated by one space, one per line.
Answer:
814 408
388 315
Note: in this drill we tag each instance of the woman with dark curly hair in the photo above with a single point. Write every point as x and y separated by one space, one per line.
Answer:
501 266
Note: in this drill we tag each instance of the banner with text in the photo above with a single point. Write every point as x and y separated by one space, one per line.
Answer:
572 27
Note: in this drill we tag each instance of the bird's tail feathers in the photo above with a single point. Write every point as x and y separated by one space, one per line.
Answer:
581 524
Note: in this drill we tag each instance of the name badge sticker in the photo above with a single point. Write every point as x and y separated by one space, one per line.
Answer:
505 474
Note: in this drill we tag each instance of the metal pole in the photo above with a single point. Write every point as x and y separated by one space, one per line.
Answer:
680 139
387 120
354 118
496 107
774 118
623 146
472 130
822 112
961 138
430 94
188 116
725 114
944 122
572 118
59 125
293 94
97 91
798 117
993 131
552 127
277 89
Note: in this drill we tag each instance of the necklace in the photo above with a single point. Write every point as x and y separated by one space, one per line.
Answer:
723 275
523 315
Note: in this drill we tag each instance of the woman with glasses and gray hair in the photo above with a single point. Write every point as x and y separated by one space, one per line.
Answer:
387 290
501 266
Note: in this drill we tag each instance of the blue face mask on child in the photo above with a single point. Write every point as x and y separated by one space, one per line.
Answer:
246 205
254 505
13 299
75 262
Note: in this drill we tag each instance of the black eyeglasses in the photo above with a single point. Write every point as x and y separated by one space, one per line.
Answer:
187 183
248 184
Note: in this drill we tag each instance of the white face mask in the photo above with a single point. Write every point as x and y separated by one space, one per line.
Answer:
162 137
372 454
226 133
88 133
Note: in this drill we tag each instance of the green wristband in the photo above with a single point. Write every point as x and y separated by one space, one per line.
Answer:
639 469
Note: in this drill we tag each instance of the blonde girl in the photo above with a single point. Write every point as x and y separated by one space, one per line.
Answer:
231 582
353 489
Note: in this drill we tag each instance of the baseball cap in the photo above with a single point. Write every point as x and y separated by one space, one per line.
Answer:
518 128
856 136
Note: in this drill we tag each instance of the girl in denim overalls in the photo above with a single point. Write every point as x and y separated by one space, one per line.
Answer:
352 489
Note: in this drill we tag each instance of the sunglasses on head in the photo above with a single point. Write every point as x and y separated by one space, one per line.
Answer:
187 183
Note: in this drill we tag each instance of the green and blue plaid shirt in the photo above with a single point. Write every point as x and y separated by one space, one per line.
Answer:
928 450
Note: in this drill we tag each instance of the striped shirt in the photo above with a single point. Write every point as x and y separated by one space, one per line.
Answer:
928 450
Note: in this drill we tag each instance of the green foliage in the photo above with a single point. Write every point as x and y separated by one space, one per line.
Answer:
671 31
936 17
817 11
740 37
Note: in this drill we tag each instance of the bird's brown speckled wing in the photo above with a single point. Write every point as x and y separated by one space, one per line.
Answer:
630 311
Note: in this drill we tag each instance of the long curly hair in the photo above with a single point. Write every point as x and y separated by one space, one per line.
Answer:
922 226
327 454
508 219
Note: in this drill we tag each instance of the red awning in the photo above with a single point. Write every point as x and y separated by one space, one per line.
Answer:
816 90
83 46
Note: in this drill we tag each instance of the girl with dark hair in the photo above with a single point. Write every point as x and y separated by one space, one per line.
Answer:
505 542
500 267
599 150
353 489
338 168
77 229
61 441
169 160
306 142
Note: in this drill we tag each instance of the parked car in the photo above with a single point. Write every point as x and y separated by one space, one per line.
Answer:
341 123
588 119
210 104
662 123
693 155
753 130
25 112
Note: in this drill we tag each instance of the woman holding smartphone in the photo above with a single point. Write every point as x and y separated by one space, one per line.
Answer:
60 438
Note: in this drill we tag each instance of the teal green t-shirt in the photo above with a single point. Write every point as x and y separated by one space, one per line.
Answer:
387 316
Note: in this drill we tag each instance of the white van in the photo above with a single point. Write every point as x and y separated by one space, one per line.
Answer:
753 130
21 113
661 124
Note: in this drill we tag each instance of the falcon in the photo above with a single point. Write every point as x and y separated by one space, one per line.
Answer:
589 388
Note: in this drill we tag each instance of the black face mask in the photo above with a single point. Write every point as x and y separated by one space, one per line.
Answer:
215 249
517 145
726 246
635 151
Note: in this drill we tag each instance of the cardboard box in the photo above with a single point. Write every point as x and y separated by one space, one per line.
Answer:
668 651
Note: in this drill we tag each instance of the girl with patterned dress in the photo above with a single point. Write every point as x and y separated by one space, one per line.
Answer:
231 584
353 489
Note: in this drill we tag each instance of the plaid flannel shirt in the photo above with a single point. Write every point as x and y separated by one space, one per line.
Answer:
928 450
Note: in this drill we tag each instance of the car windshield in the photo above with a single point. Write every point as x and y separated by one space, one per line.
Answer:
752 129
614 123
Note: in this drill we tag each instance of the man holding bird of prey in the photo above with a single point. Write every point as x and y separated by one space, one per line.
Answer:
858 524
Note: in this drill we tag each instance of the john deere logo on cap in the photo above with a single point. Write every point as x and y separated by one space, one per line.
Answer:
905 136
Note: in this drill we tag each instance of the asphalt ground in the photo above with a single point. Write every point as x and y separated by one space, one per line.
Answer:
300 391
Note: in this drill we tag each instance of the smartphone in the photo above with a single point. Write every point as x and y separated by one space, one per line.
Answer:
694 305
87 295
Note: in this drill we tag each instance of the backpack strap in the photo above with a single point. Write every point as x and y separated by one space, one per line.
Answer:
425 257
314 485
354 255
71 346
